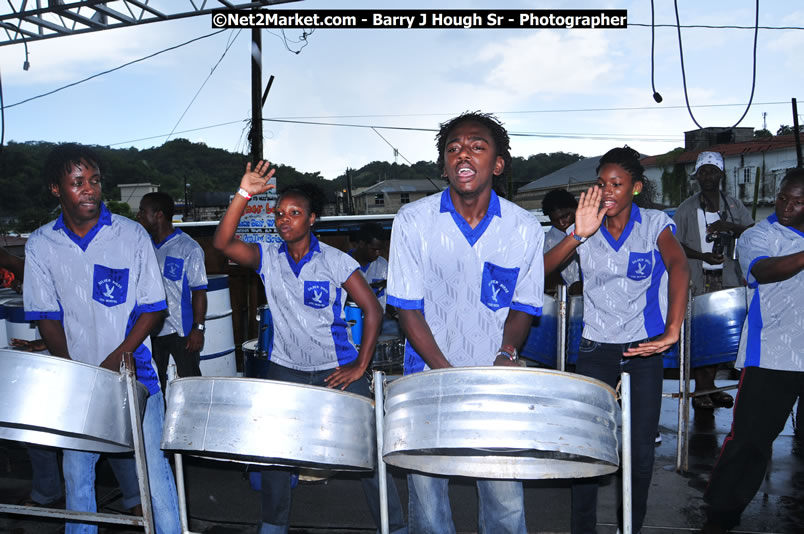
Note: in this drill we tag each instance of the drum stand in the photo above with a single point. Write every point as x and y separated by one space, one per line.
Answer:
147 520
379 406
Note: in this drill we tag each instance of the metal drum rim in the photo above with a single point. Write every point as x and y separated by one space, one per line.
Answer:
499 368
61 359
271 382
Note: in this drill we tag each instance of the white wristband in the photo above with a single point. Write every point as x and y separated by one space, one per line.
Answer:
243 193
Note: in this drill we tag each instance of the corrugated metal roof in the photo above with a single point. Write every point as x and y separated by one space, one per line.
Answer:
580 172
768 144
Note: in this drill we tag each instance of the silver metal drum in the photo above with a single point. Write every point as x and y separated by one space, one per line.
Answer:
63 403
501 422
268 422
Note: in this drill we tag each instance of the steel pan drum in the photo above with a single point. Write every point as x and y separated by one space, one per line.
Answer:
63 403
542 342
255 362
717 322
268 422
501 422
389 353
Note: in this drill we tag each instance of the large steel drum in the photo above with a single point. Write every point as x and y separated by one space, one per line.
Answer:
268 422
63 403
501 422
542 342
717 322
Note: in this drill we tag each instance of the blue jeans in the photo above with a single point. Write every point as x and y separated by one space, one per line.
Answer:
605 361
501 507
79 476
46 479
276 490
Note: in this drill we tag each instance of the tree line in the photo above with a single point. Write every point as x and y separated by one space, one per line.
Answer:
26 203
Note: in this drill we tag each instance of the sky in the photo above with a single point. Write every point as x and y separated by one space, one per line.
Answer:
574 90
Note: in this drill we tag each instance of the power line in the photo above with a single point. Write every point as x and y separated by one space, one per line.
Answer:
211 72
717 27
113 69
208 127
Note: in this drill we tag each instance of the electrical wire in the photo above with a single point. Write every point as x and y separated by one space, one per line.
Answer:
114 69
396 151
684 76
656 96
211 72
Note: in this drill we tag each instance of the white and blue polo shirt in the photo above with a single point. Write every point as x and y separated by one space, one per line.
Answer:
773 332
181 261
465 280
625 280
376 271
97 286
306 301
572 272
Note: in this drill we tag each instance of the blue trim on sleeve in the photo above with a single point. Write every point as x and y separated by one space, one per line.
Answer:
186 306
44 315
530 310
147 308
198 288
104 219
405 304
471 234
752 281
753 345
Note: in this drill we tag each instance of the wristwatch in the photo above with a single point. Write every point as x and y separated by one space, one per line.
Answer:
509 352
199 326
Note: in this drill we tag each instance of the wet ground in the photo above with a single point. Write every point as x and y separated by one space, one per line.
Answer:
222 502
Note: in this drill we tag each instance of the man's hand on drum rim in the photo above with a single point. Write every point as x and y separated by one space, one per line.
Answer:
345 375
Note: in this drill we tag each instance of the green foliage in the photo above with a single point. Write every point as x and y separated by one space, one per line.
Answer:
762 134
27 200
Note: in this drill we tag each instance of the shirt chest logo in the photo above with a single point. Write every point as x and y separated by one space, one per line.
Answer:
316 294
498 284
640 265
173 268
109 286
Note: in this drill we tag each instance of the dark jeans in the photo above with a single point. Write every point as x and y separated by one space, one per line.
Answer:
187 363
276 482
764 400
605 361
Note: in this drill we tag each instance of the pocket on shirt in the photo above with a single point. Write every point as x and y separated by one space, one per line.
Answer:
109 285
640 265
316 294
173 268
498 284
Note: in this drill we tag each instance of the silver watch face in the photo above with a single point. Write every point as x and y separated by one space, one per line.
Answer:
199 327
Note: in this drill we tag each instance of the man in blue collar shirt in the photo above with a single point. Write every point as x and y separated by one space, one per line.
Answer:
93 284
181 262
467 275
772 257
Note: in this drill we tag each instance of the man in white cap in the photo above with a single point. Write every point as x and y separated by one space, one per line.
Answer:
708 224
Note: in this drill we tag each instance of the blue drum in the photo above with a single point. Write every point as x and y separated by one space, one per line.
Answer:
354 318
255 363
717 322
265 331
542 343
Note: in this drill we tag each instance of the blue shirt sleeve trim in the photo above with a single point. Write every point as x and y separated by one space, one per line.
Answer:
197 288
405 304
156 306
530 310
47 315
752 282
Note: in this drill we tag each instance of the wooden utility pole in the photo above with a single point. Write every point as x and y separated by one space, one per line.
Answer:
255 135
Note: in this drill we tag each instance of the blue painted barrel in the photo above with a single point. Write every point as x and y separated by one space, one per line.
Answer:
542 342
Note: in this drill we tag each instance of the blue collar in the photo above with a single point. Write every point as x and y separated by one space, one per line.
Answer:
471 234
104 219
297 267
173 234
636 217
773 219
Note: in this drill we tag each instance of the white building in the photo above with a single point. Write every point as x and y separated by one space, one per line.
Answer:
131 194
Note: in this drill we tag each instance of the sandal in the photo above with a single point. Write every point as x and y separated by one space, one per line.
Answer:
703 402
722 399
